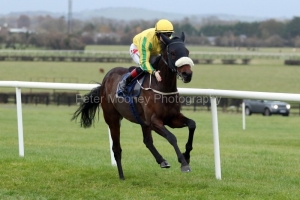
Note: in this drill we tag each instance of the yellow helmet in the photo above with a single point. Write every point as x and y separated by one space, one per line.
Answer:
164 26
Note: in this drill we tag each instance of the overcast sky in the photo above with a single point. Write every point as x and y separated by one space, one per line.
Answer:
255 8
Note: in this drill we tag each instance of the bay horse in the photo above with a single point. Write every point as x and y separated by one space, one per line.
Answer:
158 104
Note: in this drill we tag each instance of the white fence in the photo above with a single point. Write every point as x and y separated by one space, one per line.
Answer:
212 93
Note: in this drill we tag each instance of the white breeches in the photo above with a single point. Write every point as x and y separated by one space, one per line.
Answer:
135 55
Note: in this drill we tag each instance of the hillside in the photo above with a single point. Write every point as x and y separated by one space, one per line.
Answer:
127 14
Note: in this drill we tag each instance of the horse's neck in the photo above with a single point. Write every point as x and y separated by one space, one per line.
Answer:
169 78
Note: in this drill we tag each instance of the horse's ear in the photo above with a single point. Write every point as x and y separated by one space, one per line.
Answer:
182 37
165 39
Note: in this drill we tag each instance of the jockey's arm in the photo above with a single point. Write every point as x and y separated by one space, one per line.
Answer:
145 53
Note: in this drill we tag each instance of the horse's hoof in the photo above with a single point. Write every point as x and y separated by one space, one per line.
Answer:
165 164
186 168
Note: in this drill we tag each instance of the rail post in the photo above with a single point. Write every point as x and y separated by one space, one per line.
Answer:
20 121
244 115
214 113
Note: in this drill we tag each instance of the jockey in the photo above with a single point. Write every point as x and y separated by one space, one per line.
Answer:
146 47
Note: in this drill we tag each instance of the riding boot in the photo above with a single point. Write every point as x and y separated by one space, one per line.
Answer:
134 73
123 84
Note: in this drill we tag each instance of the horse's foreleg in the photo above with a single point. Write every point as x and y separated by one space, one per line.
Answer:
189 145
183 121
148 141
161 130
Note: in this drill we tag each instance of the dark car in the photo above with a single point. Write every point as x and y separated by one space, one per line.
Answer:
266 107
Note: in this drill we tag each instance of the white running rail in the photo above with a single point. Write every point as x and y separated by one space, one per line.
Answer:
212 93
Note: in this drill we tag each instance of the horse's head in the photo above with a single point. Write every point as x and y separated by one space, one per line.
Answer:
178 59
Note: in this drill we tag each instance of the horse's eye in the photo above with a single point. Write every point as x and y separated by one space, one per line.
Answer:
172 54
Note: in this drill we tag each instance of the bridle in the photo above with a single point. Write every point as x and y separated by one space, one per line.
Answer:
171 64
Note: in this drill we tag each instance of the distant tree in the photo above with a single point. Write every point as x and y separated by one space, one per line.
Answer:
246 28
33 40
196 40
72 43
88 38
89 27
50 24
271 27
188 29
126 39
23 21
106 41
297 42
3 35
105 29
293 28
177 28
127 29
54 40
51 32
253 42
215 30
274 41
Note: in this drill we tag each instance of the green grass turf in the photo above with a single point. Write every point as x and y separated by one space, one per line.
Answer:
64 161
259 75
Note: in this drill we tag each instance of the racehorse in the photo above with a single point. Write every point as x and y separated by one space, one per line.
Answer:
158 104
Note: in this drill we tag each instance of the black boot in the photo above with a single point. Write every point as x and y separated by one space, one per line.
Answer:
123 84
134 73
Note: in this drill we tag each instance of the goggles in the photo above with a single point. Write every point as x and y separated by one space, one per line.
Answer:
168 34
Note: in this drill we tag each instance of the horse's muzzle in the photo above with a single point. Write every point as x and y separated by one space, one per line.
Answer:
186 77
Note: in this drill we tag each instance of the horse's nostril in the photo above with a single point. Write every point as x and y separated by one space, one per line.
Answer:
187 77
184 74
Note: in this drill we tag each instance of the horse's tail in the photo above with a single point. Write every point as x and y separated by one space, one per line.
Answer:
88 107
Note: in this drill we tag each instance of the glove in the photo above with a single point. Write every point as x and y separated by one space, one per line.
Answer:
157 75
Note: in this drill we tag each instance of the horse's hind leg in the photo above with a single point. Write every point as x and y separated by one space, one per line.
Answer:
113 121
148 141
116 147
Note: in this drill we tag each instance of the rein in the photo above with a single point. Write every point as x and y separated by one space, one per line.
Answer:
166 63
156 91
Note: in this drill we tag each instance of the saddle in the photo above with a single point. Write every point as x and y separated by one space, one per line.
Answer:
132 89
